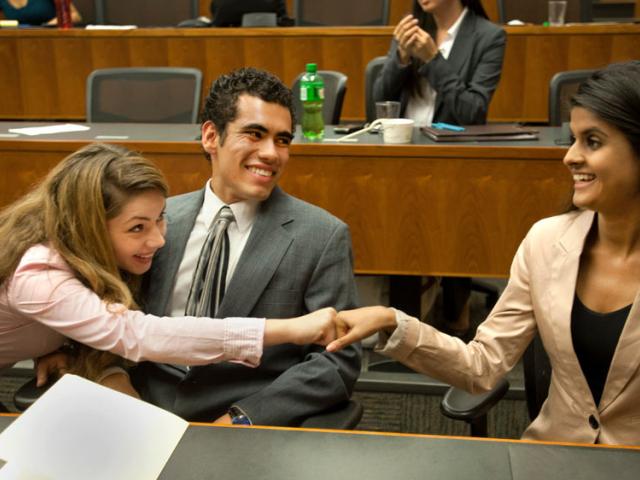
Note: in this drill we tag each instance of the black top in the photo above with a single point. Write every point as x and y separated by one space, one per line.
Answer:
595 337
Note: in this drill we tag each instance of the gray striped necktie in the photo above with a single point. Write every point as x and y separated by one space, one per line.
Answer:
208 284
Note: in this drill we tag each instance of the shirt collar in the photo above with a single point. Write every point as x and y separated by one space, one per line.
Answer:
244 211
453 30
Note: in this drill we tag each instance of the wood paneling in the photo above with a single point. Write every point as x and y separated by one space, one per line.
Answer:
48 68
455 210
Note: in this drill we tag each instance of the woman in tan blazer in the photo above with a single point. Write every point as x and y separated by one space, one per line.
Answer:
575 279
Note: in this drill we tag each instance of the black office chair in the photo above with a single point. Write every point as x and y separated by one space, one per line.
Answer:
537 11
341 12
460 405
562 87
87 10
259 19
335 88
370 74
144 95
145 13
345 416
28 393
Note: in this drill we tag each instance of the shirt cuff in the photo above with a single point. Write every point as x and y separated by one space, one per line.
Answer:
244 339
398 344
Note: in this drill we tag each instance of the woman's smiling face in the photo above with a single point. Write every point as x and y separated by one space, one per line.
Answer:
604 165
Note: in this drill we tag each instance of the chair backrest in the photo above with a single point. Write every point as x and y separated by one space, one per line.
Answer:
87 10
370 74
537 376
537 11
562 87
145 13
260 19
335 87
144 95
342 12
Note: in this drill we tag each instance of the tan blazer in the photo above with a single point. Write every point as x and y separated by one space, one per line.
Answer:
539 296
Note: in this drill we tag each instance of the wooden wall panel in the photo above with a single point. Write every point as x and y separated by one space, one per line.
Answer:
411 209
49 67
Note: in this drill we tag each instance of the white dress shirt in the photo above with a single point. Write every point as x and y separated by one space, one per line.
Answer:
238 232
421 107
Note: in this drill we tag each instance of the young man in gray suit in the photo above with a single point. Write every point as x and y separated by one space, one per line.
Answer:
286 258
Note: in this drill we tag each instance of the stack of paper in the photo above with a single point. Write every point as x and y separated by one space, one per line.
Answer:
81 430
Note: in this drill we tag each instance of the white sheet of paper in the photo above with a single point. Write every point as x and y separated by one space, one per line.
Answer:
111 27
61 128
81 430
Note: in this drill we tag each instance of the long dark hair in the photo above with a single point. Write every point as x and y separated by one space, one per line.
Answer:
613 94
427 22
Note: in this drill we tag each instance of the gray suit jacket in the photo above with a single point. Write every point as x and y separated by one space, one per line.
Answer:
464 82
297 259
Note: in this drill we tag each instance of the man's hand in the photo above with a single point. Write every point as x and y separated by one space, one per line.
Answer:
223 420
53 364
354 325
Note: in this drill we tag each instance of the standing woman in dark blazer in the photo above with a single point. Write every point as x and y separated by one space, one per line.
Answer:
444 63
443 66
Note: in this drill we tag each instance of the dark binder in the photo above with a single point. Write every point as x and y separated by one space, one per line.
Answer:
481 133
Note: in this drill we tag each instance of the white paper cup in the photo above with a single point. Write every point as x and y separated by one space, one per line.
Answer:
395 130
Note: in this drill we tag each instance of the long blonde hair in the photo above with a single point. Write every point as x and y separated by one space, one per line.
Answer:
69 209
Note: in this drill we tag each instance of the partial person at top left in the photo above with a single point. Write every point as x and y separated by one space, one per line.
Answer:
34 12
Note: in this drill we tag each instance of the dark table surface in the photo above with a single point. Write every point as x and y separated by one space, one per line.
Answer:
265 453
158 132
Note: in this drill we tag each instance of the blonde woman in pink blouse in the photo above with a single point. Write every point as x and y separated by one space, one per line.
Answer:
73 251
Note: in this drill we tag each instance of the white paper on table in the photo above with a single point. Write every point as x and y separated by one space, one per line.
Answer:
63 128
111 27
81 430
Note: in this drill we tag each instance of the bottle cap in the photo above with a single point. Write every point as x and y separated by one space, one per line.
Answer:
312 67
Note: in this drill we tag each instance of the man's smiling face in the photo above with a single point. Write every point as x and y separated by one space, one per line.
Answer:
247 163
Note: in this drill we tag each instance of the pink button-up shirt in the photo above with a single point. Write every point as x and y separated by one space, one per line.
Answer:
43 302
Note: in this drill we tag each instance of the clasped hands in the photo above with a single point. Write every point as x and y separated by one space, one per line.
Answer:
414 41
338 330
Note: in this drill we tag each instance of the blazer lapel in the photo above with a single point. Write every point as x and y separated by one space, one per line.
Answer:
564 275
165 266
463 44
461 49
626 359
260 259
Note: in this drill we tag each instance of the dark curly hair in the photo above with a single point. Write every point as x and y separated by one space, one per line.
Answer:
613 94
221 105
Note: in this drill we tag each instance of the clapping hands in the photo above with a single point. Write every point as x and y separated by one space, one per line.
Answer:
413 41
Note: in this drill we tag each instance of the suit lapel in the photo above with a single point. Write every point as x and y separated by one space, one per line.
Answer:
267 244
461 50
626 359
180 222
564 276
463 44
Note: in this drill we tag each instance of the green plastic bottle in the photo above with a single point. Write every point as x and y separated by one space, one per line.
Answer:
312 98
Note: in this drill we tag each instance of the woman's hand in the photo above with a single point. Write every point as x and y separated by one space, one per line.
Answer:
355 325
316 327
53 364
422 46
413 41
401 33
